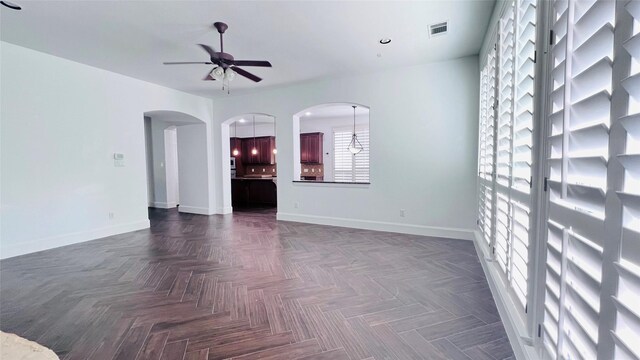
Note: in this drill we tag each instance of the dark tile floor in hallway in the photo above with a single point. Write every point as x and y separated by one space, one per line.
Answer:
244 286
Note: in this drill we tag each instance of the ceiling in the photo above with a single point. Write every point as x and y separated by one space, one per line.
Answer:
247 119
333 111
304 40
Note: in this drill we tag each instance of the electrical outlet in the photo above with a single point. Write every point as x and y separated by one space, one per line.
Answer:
296 205
401 212
111 216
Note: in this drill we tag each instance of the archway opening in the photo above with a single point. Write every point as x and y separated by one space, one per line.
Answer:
331 143
177 162
249 164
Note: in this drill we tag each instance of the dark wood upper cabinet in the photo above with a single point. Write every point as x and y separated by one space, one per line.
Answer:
264 145
311 150
236 143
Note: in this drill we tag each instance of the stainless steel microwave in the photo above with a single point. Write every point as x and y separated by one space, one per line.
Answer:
233 163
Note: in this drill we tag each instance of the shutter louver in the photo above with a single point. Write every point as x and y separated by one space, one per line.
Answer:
580 90
627 298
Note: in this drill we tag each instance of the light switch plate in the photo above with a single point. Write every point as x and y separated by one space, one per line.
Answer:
118 160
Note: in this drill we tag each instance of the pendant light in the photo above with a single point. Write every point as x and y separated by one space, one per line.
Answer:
235 151
254 151
354 146
275 151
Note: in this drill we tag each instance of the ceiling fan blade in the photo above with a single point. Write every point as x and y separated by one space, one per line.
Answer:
187 62
212 53
260 63
246 74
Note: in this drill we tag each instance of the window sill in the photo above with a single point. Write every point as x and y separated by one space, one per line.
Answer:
331 183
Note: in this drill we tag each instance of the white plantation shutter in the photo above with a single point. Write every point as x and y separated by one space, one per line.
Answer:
505 96
504 136
514 145
505 148
521 147
626 333
342 161
486 146
578 139
361 160
590 218
346 166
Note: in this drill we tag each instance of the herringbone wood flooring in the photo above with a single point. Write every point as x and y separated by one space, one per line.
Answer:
248 287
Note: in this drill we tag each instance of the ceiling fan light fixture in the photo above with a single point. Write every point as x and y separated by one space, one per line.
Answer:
217 73
229 74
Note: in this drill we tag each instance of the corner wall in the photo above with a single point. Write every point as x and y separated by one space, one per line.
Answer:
62 122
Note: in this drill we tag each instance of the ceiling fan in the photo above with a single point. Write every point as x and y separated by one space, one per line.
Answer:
226 66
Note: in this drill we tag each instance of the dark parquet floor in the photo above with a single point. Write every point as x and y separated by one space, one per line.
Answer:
244 286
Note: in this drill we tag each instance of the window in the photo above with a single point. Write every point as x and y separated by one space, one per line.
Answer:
589 304
578 139
506 145
627 297
348 167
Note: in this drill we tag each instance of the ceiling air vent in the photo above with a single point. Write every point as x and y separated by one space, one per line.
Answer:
438 29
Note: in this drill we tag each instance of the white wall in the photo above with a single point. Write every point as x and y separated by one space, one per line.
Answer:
159 164
423 128
61 123
148 141
192 169
171 165
245 131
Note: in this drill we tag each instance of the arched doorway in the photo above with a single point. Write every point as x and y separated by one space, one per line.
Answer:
249 155
177 162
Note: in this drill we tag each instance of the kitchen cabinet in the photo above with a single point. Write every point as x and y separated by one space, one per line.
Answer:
246 191
264 145
311 151
236 143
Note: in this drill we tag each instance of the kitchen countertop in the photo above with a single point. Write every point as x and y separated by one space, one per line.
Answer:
253 178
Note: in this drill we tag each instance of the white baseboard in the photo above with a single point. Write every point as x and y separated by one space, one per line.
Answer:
434 231
194 210
224 210
69 239
163 205
516 330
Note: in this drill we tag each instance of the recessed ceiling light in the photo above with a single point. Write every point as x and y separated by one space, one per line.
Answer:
242 120
307 113
10 5
385 41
